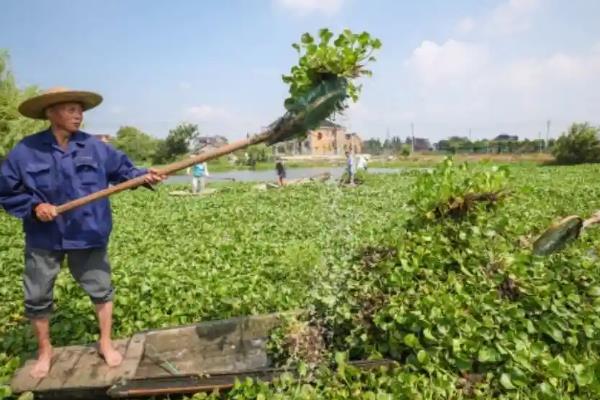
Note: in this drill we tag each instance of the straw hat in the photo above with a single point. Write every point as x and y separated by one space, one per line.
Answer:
35 107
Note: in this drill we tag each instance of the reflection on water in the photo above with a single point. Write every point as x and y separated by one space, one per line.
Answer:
292 173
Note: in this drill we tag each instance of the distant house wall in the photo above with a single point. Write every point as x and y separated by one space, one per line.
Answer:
328 139
322 141
422 144
506 137
104 138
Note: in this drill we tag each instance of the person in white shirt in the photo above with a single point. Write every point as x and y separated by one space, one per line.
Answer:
350 167
361 164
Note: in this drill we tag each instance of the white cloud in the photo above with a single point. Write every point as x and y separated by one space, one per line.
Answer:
203 113
305 7
557 69
183 85
513 16
465 25
435 63
461 84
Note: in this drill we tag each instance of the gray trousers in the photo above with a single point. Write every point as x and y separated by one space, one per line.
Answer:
89 267
198 184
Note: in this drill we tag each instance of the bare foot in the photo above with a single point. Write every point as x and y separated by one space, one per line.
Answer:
42 365
112 357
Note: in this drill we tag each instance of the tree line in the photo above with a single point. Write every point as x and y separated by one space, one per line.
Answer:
456 144
579 144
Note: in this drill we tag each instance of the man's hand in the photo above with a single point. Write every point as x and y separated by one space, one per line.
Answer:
45 212
154 176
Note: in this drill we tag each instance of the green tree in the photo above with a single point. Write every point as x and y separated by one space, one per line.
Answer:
138 145
579 144
177 142
392 145
405 151
259 153
13 126
455 144
481 146
373 146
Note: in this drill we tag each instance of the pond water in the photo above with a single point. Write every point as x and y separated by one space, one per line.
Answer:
267 175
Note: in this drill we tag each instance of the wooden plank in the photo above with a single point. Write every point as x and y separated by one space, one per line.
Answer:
62 369
23 382
214 346
226 345
209 358
185 193
91 370
131 359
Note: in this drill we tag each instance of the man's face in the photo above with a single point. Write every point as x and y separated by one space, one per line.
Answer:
67 116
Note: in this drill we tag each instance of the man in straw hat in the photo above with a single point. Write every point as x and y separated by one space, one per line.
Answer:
53 167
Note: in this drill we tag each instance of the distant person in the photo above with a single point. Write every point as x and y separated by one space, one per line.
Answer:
350 167
280 168
199 174
361 164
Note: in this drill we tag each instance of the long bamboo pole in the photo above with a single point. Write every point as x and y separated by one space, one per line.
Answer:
166 170
276 132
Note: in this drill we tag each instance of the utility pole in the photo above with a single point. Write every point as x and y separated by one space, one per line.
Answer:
412 133
471 142
547 133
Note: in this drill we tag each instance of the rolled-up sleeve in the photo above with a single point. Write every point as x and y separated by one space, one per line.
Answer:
119 167
15 198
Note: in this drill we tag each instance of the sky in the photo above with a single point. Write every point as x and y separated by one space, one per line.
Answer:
478 67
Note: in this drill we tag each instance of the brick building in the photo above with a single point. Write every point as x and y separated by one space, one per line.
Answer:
104 138
327 139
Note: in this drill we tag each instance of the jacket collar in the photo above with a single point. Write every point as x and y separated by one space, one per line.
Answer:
78 138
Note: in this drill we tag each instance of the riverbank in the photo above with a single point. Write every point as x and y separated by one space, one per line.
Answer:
413 161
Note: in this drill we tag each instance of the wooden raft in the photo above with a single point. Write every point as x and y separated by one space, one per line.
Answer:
324 177
221 347
188 359
205 192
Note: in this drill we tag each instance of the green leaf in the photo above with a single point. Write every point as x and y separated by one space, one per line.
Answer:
423 357
411 341
506 382
340 358
307 38
594 291
487 354
556 368
428 335
325 35
584 375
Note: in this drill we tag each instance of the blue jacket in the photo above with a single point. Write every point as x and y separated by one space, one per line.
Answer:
38 171
198 170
